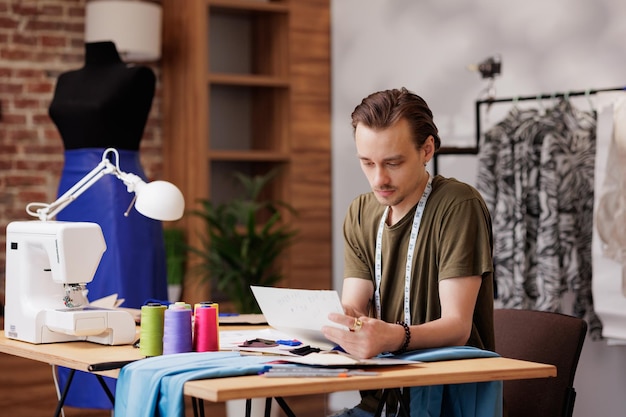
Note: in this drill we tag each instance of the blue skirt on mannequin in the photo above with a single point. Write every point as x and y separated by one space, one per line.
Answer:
133 265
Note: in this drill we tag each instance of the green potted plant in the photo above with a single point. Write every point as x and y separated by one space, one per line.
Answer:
244 239
175 257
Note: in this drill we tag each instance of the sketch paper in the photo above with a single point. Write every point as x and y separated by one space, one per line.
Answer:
299 313
334 358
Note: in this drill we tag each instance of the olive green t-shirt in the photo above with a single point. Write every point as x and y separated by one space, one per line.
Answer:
454 240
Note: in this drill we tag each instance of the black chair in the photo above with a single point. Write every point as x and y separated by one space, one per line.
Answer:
543 337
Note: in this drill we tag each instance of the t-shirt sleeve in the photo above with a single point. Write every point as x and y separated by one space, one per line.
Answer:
466 247
356 263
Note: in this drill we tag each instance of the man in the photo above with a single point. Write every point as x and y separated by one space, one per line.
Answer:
440 292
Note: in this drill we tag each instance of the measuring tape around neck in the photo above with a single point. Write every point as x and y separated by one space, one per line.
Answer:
417 219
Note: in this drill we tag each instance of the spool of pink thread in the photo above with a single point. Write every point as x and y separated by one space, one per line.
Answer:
206 332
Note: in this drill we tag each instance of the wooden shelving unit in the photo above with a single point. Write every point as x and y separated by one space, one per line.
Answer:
246 87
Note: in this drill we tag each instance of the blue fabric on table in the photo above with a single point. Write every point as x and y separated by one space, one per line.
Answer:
133 265
154 386
446 354
474 399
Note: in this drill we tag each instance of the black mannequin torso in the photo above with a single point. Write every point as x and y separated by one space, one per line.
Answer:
104 104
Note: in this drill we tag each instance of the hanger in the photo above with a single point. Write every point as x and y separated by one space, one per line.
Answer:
515 101
566 96
553 100
588 96
542 109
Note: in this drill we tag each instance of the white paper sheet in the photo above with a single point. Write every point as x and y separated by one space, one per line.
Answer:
301 314
334 358
232 339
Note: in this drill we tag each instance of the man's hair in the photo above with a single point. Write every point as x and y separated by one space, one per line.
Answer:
383 109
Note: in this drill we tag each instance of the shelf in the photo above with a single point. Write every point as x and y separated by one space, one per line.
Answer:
248 38
249 156
248 80
246 88
224 187
243 6
248 118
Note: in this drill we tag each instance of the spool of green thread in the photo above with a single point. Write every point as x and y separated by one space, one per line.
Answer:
151 333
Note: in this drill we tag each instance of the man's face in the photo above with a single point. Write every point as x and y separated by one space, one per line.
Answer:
392 164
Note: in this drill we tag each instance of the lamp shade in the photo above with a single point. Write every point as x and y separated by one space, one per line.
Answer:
160 200
133 26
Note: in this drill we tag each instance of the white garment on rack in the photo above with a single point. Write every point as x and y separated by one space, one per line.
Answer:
611 211
609 254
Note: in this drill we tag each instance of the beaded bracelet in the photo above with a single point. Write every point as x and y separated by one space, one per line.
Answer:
407 338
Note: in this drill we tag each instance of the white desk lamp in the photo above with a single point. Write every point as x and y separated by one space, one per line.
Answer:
158 200
49 263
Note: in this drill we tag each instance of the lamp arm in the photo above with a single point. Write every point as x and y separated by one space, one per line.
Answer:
48 211
160 200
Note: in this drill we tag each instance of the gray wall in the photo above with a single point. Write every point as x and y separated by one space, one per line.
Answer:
546 46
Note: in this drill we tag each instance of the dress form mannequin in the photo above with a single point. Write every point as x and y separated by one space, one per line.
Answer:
111 99
106 104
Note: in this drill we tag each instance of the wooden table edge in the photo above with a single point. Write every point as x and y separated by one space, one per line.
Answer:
432 373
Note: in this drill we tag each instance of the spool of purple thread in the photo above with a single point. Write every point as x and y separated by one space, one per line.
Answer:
177 329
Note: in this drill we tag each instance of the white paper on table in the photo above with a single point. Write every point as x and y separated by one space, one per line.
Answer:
232 339
301 314
110 301
336 358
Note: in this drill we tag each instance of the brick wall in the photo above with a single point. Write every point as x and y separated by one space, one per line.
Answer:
40 39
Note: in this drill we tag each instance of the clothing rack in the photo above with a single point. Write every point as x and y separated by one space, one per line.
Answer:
473 150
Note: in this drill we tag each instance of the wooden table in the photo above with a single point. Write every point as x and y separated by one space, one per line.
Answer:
432 373
79 355
73 355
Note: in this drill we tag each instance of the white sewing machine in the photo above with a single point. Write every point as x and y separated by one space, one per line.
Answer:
48 265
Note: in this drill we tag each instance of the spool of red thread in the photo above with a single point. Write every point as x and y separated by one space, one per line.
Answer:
206 332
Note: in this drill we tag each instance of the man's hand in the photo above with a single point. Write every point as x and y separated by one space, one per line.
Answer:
373 337
457 296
